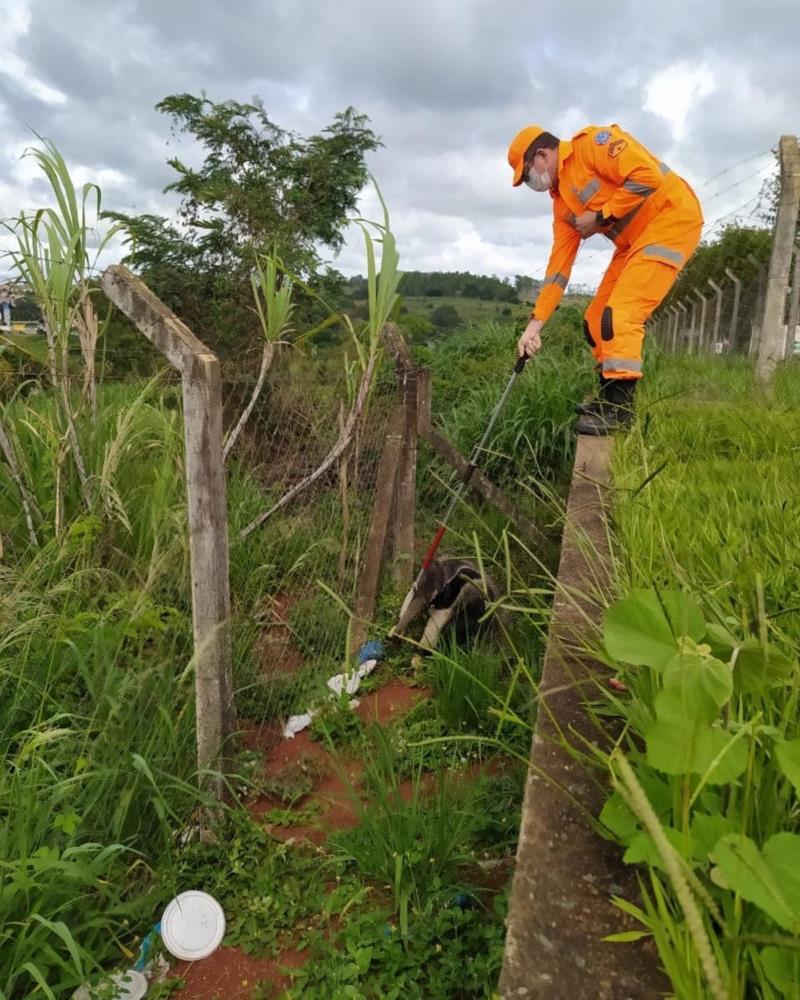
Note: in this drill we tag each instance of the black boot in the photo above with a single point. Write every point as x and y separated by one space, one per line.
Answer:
616 412
594 404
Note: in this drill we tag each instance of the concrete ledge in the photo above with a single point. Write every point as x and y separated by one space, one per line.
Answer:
565 872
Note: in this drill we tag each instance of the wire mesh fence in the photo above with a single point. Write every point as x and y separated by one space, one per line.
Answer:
740 293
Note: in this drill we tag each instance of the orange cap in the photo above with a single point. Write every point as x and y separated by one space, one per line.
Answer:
518 148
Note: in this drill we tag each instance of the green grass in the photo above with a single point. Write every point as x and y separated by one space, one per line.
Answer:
96 692
718 522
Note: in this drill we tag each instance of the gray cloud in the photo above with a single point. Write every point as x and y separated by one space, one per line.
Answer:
445 82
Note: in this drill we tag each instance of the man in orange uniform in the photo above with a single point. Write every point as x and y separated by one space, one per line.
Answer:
604 181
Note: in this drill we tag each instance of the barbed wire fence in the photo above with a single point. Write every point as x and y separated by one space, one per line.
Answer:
750 308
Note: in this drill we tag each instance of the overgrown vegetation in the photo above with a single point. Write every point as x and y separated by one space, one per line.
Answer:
97 782
707 638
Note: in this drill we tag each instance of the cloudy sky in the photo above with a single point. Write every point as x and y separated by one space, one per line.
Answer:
708 87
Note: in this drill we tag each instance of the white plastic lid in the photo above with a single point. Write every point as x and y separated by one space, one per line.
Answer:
129 985
193 925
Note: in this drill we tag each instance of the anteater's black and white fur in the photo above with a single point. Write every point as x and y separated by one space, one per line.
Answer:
456 597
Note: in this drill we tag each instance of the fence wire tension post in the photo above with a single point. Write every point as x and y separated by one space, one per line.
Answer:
207 512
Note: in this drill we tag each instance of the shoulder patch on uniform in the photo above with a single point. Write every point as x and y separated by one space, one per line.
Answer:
616 147
602 137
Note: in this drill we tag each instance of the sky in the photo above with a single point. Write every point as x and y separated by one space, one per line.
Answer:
709 88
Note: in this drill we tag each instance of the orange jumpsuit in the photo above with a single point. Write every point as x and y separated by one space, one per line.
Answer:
656 226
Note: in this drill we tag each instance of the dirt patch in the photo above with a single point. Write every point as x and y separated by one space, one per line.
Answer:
230 974
388 702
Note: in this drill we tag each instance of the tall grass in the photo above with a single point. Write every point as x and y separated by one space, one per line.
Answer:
96 721
718 521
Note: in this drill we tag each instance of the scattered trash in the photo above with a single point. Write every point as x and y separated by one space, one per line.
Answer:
368 657
129 985
193 925
150 962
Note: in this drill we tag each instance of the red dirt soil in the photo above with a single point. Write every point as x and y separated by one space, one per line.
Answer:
230 974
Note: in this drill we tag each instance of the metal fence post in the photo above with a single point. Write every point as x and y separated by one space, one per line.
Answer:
772 345
737 294
703 310
682 307
794 305
755 328
717 314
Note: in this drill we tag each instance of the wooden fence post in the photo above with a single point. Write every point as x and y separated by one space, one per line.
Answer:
405 503
370 573
772 344
207 510
423 401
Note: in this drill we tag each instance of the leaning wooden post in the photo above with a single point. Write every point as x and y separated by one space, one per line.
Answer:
424 419
405 501
717 313
207 509
370 573
772 345
794 306
737 295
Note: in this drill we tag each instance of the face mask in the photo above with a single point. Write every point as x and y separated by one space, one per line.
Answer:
539 182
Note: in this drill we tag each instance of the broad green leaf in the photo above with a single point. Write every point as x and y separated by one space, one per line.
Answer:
782 966
644 628
788 755
757 667
618 818
642 849
706 831
769 879
683 717
721 641
698 676
718 758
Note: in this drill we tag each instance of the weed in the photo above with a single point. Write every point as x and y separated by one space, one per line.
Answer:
305 816
448 953
466 683
295 781
410 838
337 725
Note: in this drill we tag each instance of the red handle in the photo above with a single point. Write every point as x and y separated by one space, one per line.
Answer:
434 546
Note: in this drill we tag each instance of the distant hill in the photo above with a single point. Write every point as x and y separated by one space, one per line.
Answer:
457 284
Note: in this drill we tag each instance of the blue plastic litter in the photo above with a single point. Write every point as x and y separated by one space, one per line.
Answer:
372 650
143 961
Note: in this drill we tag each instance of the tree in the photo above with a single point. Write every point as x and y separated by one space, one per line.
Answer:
258 189
445 317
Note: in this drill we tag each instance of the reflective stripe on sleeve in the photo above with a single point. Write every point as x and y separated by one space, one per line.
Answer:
621 365
588 190
664 169
556 279
636 188
666 253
